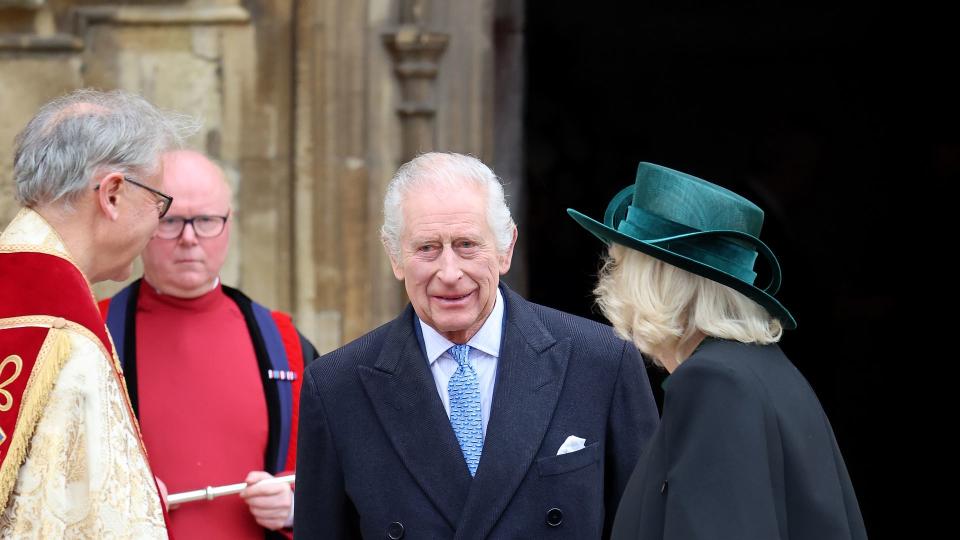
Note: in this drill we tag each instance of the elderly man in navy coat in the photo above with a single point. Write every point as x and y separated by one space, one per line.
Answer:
475 413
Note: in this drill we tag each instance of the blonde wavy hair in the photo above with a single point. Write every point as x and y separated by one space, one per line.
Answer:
660 307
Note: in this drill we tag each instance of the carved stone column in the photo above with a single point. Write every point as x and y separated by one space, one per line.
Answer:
416 51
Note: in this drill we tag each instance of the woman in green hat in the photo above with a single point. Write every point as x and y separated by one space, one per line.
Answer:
744 449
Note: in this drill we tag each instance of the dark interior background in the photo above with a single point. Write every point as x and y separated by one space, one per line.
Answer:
840 122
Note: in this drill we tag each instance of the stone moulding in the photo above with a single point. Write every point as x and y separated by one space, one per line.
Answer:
33 42
157 15
83 17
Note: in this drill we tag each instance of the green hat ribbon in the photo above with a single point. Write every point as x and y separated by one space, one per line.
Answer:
721 249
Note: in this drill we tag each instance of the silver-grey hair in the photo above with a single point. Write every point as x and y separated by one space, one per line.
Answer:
444 169
71 138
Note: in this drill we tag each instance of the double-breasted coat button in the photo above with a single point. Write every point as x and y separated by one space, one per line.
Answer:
554 517
663 488
395 530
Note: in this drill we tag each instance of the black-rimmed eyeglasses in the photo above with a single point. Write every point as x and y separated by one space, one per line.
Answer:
203 226
163 200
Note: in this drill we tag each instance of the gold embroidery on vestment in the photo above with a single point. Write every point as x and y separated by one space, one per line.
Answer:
6 399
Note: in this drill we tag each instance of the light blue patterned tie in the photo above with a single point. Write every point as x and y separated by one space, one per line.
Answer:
465 416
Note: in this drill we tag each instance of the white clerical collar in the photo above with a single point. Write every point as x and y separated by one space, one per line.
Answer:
487 339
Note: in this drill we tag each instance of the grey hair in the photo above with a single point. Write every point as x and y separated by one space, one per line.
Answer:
446 169
71 138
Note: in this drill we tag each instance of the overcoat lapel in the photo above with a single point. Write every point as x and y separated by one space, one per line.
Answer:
404 395
530 375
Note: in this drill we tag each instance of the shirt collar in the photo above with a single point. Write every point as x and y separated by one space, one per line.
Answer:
487 339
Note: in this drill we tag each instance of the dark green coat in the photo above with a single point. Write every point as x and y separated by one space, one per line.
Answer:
743 451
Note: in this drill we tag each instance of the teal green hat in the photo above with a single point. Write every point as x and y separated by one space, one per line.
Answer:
694 225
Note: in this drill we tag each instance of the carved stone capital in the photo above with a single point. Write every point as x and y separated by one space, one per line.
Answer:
416 53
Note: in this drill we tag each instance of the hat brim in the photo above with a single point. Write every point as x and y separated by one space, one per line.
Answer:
609 235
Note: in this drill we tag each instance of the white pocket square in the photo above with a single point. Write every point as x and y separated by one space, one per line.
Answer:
572 444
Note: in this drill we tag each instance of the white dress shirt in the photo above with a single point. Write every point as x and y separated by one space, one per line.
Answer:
484 352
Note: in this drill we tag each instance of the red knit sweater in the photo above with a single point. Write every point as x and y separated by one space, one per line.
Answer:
202 409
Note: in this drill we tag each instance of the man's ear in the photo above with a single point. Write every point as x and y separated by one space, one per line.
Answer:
394 263
506 257
108 194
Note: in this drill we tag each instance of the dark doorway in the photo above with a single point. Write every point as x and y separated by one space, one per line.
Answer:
834 120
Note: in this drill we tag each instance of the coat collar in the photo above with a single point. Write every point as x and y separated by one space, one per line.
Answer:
530 375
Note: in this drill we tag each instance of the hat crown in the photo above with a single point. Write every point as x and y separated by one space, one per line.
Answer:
691 202
694 225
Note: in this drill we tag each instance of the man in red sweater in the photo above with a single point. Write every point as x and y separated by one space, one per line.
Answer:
213 376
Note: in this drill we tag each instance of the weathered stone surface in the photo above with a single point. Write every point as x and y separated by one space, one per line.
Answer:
26 83
302 105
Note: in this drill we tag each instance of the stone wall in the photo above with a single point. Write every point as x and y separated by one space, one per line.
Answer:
309 106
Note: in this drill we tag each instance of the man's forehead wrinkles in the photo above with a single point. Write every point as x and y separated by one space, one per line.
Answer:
442 227
443 217
466 229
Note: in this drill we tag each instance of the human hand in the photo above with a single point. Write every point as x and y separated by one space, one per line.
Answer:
163 492
269 503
